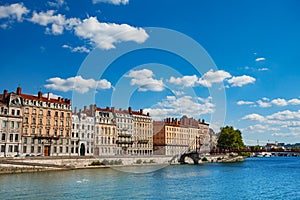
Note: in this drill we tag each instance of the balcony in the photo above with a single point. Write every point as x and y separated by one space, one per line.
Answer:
143 141
124 142
125 135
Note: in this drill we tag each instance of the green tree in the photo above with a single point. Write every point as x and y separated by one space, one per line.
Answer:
230 139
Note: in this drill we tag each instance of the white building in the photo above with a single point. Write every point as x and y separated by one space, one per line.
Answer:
82 138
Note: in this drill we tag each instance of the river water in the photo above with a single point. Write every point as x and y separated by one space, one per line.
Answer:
255 178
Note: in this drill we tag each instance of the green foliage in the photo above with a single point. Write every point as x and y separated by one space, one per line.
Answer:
204 159
152 161
245 154
230 139
139 161
96 163
105 162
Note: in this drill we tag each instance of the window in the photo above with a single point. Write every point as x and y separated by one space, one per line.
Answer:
3 136
2 148
32 149
60 149
33 131
11 137
12 112
10 148
49 113
40 131
61 132
26 110
39 150
40 121
32 141
26 120
56 114
18 112
12 124
55 132
16 137
34 111
48 132
16 148
62 114
24 149
33 120
41 112
4 124
17 124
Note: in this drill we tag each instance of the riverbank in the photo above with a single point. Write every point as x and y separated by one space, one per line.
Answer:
42 164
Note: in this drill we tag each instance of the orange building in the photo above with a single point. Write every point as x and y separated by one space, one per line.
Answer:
46 124
174 137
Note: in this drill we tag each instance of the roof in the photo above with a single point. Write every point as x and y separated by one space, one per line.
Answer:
51 100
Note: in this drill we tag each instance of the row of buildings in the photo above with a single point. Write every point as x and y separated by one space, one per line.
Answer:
44 126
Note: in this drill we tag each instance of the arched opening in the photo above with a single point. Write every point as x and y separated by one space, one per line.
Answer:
82 150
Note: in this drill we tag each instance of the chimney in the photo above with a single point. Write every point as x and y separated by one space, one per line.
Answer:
141 111
84 108
19 91
130 110
112 109
75 110
40 94
48 96
148 114
203 121
5 94
57 99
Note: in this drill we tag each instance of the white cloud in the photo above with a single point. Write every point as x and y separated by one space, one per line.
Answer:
55 24
56 3
186 105
77 83
245 102
105 35
254 117
260 59
80 49
115 2
186 81
145 81
239 81
51 95
263 69
265 102
14 11
211 77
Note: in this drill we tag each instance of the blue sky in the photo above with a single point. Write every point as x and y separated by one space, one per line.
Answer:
59 46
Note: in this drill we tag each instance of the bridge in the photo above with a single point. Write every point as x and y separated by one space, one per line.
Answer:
194 155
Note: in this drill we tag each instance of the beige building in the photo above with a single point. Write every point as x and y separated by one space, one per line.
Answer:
46 124
105 133
10 124
142 133
175 137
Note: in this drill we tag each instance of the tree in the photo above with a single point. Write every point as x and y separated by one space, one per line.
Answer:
230 139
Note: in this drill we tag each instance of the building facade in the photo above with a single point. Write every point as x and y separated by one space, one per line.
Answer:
10 124
83 132
142 133
46 124
106 133
175 137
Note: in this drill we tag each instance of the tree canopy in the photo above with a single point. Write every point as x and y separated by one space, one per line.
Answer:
230 139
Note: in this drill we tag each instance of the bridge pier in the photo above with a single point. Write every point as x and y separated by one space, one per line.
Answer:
193 155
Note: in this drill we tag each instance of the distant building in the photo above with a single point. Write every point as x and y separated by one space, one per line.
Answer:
173 137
